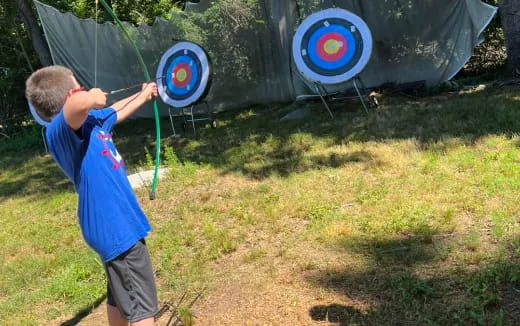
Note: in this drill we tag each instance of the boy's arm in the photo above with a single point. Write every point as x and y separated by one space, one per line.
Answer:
129 105
77 106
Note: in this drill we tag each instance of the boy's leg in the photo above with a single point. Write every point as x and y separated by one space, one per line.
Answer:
114 317
132 285
144 322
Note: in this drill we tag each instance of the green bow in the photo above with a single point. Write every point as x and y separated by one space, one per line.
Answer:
155 107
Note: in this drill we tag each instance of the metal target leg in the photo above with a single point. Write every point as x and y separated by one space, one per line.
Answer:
208 113
359 94
193 120
171 121
184 117
362 85
44 141
211 118
323 100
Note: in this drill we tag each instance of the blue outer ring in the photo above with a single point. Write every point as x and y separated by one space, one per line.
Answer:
331 65
194 76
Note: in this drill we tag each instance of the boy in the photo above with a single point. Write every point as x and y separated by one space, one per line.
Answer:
112 223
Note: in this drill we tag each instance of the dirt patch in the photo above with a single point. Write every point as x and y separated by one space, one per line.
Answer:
270 291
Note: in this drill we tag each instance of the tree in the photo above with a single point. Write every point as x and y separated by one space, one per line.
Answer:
510 16
26 13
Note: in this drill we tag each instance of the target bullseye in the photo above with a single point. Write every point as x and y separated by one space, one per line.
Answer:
181 75
332 46
186 70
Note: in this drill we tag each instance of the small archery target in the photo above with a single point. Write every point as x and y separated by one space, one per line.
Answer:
183 74
41 121
332 46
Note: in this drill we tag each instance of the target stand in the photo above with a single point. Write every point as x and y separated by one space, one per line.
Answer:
332 47
183 81
326 97
190 118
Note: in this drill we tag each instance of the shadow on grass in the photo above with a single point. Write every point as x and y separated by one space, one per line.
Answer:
410 282
335 313
30 175
257 144
27 170
84 312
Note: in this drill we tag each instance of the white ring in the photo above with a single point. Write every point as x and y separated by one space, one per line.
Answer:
343 14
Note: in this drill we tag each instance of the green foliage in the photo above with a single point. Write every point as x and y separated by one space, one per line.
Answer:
131 11
181 172
411 289
17 59
148 159
186 316
170 158
227 26
490 56
254 255
27 139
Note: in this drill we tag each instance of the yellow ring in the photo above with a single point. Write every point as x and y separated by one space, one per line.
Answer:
181 75
331 46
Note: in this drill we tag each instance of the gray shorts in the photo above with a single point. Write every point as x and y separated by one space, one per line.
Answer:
131 285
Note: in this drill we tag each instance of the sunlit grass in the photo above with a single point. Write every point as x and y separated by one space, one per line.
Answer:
420 198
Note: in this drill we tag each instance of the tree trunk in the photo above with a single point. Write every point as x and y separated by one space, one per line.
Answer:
26 13
510 16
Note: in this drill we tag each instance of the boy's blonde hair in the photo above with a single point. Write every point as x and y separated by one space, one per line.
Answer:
46 89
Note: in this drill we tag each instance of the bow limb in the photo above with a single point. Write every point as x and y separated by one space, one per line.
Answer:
155 107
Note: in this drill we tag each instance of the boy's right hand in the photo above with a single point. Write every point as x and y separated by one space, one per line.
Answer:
99 98
149 90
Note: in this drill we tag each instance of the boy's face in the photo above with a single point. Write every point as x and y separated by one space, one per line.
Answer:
76 84
77 87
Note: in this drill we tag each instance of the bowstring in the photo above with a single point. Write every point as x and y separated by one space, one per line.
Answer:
95 45
154 103
117 91
133 86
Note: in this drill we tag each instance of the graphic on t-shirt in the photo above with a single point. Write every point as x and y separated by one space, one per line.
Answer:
110 150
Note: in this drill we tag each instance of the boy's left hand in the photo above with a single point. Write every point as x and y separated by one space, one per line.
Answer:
149 90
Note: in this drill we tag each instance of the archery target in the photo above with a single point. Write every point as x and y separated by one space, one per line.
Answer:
183 75
332 46
42 122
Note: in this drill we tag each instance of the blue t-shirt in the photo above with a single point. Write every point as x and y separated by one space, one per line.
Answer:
110 217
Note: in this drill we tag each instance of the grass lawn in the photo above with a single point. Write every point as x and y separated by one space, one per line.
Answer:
407 216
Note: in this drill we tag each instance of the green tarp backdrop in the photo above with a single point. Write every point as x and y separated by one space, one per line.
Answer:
428 40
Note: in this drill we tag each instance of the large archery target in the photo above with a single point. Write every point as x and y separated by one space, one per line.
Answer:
42 122
183 74
332 46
